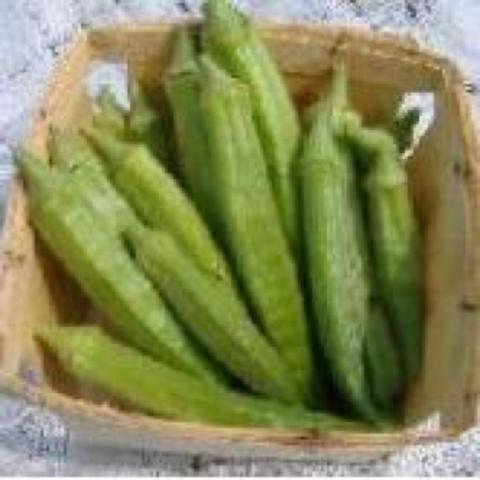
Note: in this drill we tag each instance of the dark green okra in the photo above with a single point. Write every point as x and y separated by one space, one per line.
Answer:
213 313
380 350
73 155
145 122
382 361
110 116
159 390
233 42
250 230
159 200
99 262
183 92
395 239
338 273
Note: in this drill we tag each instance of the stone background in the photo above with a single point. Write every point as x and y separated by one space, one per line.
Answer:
33 33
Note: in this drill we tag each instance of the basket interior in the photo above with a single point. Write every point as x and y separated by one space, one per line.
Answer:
381 73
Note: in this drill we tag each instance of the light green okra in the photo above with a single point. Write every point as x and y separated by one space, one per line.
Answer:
183 91
234 43
159 390
110 116
73 155
213 313
250 230
99 262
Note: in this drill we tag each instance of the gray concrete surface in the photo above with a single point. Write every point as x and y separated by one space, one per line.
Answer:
33 33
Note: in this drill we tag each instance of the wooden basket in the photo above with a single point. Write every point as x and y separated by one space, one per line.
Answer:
444 179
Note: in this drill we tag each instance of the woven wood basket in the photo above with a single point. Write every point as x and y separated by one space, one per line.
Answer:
444 178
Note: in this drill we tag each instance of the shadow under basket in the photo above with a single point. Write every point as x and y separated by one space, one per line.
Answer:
444 179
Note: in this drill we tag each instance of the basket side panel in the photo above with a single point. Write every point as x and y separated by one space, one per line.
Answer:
439 192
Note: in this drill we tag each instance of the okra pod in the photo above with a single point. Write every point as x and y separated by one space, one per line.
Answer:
213 313
183 91
100 263
395 239
159 200
110 116
335 261
73 155
234 43
145 122
251 232
159 390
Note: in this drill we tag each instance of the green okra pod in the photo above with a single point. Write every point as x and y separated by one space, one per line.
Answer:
72 154
159 390
159 200
99 262
336 264
234 43
250 229
380 350
213 313
183 91
395 239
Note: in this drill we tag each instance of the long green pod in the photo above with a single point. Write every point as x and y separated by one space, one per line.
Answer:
395 240
182 86
213 313
250 228
99 262
380 350
145 122
72 154
159 200
159 390
335 261
234 43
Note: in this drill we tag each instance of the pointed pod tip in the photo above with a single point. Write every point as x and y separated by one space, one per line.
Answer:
111 149
35 172
184 56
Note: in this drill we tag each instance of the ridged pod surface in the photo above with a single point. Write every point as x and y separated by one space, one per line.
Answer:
234 43
160 390
250 229
99 262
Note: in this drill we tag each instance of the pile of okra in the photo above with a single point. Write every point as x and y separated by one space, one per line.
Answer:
255 264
